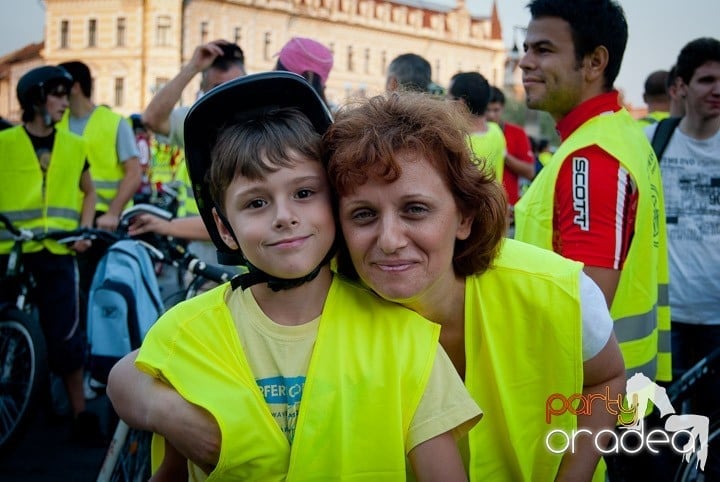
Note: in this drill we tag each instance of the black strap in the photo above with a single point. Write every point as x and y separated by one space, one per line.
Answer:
662 135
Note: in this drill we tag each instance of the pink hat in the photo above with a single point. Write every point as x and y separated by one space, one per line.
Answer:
303 54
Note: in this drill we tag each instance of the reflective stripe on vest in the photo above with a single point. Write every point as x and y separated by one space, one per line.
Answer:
22 198
106 170
645 272
369 367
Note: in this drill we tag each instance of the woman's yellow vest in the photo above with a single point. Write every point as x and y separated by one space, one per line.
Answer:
518 354
105 167
368 371
21 197
640 308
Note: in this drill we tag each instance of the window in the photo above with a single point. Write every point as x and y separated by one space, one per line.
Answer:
437 68
92 32
383 62
238 35
119 91
366 64
64 32
350 63
162 33
203 32
266 46
120 33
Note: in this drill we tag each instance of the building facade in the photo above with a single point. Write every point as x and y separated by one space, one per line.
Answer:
133 47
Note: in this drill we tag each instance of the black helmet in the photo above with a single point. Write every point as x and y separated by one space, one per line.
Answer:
136 122
34 86
236 100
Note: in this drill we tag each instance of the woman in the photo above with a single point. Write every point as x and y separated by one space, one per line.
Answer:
424 228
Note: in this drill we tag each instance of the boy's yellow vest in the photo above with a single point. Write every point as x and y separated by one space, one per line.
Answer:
105 168
368 371
518 354
21 197
640 308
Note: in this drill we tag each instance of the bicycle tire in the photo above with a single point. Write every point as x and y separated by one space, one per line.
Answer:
690 472
23 374
128 457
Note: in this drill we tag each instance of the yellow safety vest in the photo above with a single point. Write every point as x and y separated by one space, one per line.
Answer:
105 167
369 368
164 161
640 309
518 354
490 147
187 205
21 198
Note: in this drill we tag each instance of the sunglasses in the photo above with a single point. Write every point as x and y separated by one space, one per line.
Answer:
58 91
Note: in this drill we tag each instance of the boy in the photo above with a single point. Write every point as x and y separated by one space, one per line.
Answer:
374 384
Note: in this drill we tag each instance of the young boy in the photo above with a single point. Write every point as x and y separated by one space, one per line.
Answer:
307 375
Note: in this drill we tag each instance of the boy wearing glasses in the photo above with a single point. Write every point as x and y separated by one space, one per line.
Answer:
42 169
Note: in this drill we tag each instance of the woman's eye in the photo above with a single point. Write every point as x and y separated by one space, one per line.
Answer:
361 215
417 209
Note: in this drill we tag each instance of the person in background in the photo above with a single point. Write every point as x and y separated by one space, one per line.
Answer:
519 158
409 72
113 153
656 98
308 58
599 200
486 138
690 167
47 186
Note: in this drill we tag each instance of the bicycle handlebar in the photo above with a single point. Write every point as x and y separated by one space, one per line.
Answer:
213 273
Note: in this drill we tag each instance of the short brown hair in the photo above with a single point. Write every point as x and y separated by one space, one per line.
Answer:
256 147
362 144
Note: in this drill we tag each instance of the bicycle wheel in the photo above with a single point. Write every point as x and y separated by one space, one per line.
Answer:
690 471
128 458
23 373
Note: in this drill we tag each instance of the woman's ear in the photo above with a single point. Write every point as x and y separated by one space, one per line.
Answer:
225 233
464 227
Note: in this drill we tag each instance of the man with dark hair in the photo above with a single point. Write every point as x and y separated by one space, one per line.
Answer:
113 153
218 61
519 160
656 97
486 139
690 166
599 198
408 72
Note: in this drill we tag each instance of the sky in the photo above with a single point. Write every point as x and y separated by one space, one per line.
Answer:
658 30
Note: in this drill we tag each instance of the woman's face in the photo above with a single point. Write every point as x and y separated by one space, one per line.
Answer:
401 236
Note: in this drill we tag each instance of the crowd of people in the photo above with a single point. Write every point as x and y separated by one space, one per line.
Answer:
419 279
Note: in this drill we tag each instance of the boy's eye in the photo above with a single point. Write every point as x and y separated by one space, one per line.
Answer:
256 203
304 193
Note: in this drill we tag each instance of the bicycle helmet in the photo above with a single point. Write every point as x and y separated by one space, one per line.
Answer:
34 86
234 101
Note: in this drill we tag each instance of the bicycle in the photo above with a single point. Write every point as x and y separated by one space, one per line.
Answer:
680 393
128 456
23 356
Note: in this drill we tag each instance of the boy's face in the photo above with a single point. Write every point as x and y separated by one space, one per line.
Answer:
284 223
57 102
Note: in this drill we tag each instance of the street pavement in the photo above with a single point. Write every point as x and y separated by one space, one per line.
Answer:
47 454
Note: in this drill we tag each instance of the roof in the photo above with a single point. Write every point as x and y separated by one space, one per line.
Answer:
28 52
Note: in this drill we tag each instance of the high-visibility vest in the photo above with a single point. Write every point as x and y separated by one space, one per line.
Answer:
490 147
369 368
640 309
21 198
105 167
518 354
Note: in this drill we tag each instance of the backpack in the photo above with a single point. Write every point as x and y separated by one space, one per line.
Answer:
663 133
123 303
